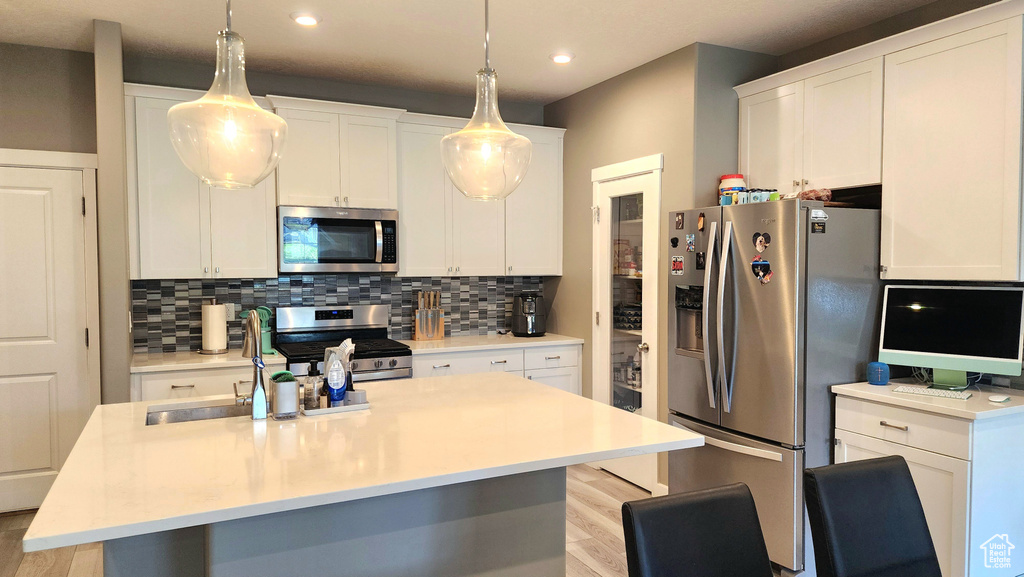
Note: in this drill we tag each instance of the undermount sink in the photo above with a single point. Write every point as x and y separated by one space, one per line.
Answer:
195 411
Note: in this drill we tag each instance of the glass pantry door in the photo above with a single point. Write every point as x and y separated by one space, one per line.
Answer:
627 224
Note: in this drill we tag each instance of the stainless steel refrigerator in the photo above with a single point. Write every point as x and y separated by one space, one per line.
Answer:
771 303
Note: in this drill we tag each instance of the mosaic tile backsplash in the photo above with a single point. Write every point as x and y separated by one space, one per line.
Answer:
167 314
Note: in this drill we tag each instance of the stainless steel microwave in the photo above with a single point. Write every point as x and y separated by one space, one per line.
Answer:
324 240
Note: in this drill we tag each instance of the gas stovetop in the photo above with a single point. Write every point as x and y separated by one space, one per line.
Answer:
309 351
304 333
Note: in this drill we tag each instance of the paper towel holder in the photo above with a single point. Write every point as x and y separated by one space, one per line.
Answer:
208 347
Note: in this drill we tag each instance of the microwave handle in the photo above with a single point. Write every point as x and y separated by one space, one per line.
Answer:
380 242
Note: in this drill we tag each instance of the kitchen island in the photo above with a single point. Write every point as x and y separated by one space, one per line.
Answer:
460 475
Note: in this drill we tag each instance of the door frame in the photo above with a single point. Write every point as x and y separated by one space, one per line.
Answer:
641 470
86 164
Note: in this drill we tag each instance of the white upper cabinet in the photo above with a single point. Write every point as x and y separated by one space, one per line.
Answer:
842 127
443 233
478 235
337 154
179 227
951 163
310 170
533 212
771 132
172 204
822 132
423 247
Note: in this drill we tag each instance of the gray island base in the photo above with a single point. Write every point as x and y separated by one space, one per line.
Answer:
500 527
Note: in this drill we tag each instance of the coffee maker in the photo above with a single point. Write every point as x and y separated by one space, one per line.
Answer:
528 315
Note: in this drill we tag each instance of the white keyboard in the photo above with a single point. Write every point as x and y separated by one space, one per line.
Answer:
940 393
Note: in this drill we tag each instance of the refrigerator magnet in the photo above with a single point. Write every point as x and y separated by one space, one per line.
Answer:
761 241
691 241
679 221
700 222
762 269
677 266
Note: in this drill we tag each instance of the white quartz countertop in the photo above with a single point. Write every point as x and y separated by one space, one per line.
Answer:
184 361
124 478
975 408
484 342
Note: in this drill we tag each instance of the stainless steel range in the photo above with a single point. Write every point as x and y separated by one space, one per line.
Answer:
303 333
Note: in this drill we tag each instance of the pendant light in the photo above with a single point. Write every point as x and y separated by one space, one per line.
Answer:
225 138
485 160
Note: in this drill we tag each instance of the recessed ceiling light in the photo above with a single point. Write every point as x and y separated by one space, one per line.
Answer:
562 57
305 18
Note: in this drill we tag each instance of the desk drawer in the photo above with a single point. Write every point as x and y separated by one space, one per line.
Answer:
936 433
552 357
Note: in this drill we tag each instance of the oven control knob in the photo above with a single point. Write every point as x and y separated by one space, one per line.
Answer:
393 363
355 365
378 364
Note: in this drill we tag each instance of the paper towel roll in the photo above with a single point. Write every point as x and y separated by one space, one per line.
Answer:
215 328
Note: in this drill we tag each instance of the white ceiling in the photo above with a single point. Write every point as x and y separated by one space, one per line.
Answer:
436 45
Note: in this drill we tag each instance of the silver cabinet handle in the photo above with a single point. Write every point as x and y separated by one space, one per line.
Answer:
905 428
444 366
449 269
709 375
206 269
499 362
346 200
510 269
642 348
337 200
217 270
457 269
554 358
806 182
796 183
183 386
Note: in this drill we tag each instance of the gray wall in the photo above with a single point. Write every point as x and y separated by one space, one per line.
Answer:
681 105
148 70
894 25
47 100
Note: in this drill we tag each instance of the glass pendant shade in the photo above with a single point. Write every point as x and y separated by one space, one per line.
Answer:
485 160
225 138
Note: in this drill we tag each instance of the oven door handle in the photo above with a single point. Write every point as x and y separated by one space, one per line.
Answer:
380 242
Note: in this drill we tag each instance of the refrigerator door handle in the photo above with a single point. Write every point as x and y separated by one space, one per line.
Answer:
723 268
708 372
735 448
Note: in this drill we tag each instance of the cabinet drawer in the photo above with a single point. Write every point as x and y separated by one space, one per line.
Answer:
552 357
935 433
185 384
465 363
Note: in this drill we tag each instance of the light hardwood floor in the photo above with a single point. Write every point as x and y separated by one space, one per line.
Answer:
593 534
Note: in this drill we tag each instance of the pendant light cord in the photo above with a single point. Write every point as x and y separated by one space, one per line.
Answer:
229 15
487 35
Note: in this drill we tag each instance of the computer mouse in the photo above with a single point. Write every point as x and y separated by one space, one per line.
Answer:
998 398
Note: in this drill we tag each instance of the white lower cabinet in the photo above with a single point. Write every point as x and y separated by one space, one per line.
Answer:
966 472
556 365
565 378
941 482
185 384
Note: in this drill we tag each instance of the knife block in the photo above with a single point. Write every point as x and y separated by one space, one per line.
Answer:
429 325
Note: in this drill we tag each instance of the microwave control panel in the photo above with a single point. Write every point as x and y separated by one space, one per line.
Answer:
389 230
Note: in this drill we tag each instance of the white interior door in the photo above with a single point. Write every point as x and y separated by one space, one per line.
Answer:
625 372
48 377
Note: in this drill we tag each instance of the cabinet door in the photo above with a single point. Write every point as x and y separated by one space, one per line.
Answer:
478 235
951 157
942 484
771 138
533 213
173 218
310 170
565 378
842 142
423 244
368 152
244 231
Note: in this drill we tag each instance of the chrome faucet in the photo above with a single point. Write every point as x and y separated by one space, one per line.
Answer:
251 347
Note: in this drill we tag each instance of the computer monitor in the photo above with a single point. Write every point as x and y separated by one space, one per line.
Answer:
953 330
